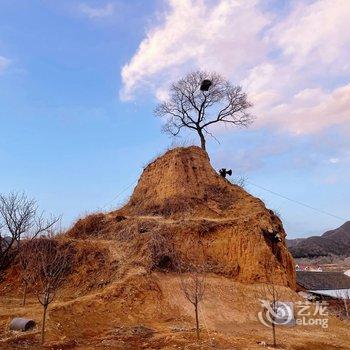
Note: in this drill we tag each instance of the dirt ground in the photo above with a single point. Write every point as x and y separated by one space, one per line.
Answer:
150 312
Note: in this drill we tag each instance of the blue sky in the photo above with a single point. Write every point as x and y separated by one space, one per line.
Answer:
79 81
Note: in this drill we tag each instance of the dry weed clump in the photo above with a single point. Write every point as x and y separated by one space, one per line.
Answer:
127 231
91 225
162 254
175 206
220 195
206 227
169 207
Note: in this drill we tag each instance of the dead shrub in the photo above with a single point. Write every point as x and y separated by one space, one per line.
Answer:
132 230
91 225
206 227
128 232
221 196
161 254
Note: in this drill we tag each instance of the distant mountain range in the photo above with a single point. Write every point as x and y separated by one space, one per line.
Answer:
333 242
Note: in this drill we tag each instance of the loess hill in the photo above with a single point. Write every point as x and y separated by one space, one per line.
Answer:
182 213
334 242
124 292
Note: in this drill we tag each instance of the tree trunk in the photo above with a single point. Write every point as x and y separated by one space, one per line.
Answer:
346 308
43 325
197 320
274 334
24 294
274 310
201 136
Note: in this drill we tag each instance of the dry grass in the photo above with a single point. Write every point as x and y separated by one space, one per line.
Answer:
91 225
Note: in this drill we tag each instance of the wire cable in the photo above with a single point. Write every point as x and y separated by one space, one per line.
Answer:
297 202
119 194
257 186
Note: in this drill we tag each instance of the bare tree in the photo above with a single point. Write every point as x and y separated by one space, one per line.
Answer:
192 285
50 261
343 302
270 293
240 181
201 99
24 259
19 216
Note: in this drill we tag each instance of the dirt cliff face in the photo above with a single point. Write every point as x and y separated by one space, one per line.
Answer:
182 184
183 213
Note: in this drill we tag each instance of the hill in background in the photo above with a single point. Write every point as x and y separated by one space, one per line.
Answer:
333 242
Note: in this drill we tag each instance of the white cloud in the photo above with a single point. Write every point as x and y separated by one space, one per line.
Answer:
4 63
248 159
97 12
317 33
194 34
311 111
295 68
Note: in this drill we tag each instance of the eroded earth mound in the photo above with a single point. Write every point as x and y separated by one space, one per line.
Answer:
183 213
124 292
